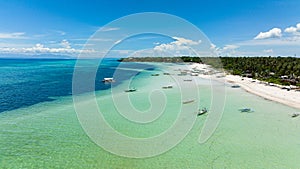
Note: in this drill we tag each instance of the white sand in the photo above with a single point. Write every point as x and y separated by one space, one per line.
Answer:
274 93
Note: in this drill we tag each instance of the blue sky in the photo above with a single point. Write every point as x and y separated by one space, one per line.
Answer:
235 28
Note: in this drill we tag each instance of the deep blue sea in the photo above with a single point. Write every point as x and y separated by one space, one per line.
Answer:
25 82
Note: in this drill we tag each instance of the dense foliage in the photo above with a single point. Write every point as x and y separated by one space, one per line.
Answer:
280 70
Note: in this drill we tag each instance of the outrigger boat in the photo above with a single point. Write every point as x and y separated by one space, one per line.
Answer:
188 101
131 90
235 86
202 111
245 110
108 80
167 87
295 115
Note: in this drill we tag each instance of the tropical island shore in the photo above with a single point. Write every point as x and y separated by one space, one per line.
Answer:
277 93
274 92
286 91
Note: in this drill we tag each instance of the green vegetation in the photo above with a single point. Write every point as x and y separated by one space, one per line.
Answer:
279 70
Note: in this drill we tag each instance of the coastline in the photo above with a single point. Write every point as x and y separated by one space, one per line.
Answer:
290 98
271 92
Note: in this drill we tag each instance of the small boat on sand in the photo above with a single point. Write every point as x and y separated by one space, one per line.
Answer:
188 101
156 74
187 80
235 86
202 111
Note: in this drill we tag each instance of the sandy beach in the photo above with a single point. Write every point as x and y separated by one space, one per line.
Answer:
274 93
268 91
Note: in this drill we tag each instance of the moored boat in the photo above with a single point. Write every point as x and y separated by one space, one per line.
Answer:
188 101
108 80
245 110
167 87
202 111
131 90
235 86
295 115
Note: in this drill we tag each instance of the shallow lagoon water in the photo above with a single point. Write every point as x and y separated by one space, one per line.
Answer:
48 134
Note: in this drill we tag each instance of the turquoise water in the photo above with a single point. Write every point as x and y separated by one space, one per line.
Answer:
48 134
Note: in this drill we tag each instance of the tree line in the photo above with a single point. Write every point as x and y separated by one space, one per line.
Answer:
279 70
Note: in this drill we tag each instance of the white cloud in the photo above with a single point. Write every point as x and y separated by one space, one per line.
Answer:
273 33
93 39
295 38
213 46
106 29
293 30
268 51
273 42
15 35
182 41
216 50
178 45
65 44
40 48
285 41
227 50
230 47
62 33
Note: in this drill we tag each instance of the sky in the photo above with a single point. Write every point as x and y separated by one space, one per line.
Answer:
233 27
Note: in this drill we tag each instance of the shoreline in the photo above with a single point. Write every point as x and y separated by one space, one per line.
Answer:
271 92
290 98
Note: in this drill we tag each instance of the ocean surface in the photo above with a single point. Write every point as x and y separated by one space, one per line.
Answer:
25 82
39 127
